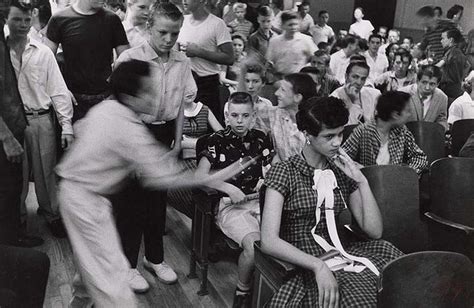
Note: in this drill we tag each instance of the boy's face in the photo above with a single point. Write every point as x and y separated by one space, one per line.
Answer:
240 117
324 18
239 13
253 83
401 65
291 26
304 10
374 44
393 37
445 41
427 85
140 10
265 22
19 22
164 33
285 94
321 63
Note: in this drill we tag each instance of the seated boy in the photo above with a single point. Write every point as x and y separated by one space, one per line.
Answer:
239 217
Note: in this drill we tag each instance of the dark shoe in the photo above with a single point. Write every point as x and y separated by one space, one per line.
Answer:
57 228
242 300
28 241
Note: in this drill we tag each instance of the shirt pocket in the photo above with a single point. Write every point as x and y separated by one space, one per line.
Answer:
36 74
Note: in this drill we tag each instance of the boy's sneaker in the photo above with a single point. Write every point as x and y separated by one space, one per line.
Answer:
137 282
242 299
163 271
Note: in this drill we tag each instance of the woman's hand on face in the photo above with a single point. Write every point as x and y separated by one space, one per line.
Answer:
327 286
349 167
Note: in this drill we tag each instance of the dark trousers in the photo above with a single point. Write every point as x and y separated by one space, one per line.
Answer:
208 94
141 212
23 277
11 182
86 102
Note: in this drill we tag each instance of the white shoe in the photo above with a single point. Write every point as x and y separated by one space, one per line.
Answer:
163 271
137 282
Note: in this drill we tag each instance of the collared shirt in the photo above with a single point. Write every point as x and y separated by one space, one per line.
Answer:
338 65
41 84
321 34
135 36
362 28
363 146
461 108
328 85
364 111
425 104
290 56
377 66
243 28
259 41
225 147
260 106
306 23
432 38
36 35
175 84
389 82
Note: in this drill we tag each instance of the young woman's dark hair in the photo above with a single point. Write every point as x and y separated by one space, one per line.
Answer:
126 78
323 112
454 10
302 84
389 102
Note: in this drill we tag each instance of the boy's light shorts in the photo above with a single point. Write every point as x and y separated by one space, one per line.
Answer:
237 221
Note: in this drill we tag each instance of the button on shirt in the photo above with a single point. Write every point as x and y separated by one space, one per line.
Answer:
41 84
175 84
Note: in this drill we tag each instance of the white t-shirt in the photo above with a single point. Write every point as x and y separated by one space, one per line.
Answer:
321 34
362 28
209 34
462 108
377 66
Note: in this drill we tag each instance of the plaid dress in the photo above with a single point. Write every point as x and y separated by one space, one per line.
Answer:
363 146
294 180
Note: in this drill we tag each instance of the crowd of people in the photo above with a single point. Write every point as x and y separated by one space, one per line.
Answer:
103 105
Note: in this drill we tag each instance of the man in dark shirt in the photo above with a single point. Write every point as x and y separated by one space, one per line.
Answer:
435 26
88 34
12 126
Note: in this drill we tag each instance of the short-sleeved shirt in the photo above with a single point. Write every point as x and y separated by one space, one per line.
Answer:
306 23
462 108
377 66
258 41
290 56
338 65
243 28
362 28
88 42
209 34
321 34
225 147
365 110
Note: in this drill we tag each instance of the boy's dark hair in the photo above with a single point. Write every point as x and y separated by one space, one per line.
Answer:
357 64
349 39
389 102
255 68
25 7
310 70
286 16
430 71
323 45
426 11
126 78
240 37
455 9
357 59
403 53
438 8
302 84
304 3
455 34
44 11
241 98
321 112
321 53
375 36
264 10
322 12
166 9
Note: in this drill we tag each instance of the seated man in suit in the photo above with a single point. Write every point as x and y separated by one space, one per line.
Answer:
428 103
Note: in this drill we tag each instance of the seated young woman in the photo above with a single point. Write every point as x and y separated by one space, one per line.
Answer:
386 140
304 196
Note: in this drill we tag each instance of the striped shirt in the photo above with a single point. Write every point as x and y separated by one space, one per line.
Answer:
243 28
432 38
363 146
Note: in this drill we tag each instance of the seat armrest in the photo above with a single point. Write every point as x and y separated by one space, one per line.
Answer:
443 221
279 265
206 199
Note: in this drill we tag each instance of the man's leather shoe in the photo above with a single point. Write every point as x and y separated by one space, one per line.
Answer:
28 241
57 228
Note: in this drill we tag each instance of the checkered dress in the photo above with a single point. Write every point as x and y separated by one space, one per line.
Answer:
294 180
363 146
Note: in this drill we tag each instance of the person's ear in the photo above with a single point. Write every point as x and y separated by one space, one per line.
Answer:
298 98
35 12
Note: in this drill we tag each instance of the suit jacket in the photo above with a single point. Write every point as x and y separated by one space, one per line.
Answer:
437 111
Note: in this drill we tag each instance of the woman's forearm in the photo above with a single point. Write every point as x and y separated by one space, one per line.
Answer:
370 218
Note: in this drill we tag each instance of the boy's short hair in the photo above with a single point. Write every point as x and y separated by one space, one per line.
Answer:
321 53
357 59
255 68
239 5
168 10
310 70
430 71
126 78
323 45
44 11
389 102
302 84
265 11
23 6
375 36
357 64
241 98
455 34
403 53
287 16
322 12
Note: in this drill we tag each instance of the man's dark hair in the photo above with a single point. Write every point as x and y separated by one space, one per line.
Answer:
375 36
357 64
254 68
323 45
241 98
403 53
429 71
25 7
302 84
455 34
318 113
310 70
322 12
357 59
426 11
44 11
286 16
455 9
349 39
168 10
389 102
264 10
126 78
438 8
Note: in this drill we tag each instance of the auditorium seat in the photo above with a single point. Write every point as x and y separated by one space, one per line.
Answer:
460 132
